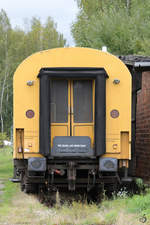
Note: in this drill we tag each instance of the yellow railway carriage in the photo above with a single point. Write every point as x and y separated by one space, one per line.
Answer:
72 119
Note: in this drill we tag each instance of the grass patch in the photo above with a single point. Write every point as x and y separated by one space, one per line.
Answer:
10 190
122 210
140 204
77 213
130 209
111 212
6 171
6 163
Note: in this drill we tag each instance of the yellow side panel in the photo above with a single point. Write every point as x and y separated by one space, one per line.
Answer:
58 130
85 130
30 144
113 145
125 145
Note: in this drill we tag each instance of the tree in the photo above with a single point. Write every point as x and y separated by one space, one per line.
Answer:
41 37
16 45
51 37
5 29
122 25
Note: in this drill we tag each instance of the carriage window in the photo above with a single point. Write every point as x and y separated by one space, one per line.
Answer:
83 101
59 101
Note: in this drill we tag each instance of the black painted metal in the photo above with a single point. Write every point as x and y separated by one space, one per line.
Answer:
44 116
72 72
100 115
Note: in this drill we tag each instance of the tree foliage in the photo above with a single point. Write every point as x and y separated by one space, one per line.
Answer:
15 45
121 25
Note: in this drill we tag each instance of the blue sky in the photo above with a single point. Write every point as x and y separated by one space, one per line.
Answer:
62 11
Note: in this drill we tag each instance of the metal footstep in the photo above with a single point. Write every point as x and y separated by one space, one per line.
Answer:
14 180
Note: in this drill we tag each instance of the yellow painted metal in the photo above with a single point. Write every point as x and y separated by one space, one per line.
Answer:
59 129
113 145
83 129
118 96
19 140
125 145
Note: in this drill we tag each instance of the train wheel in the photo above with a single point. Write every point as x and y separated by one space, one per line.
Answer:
96 194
